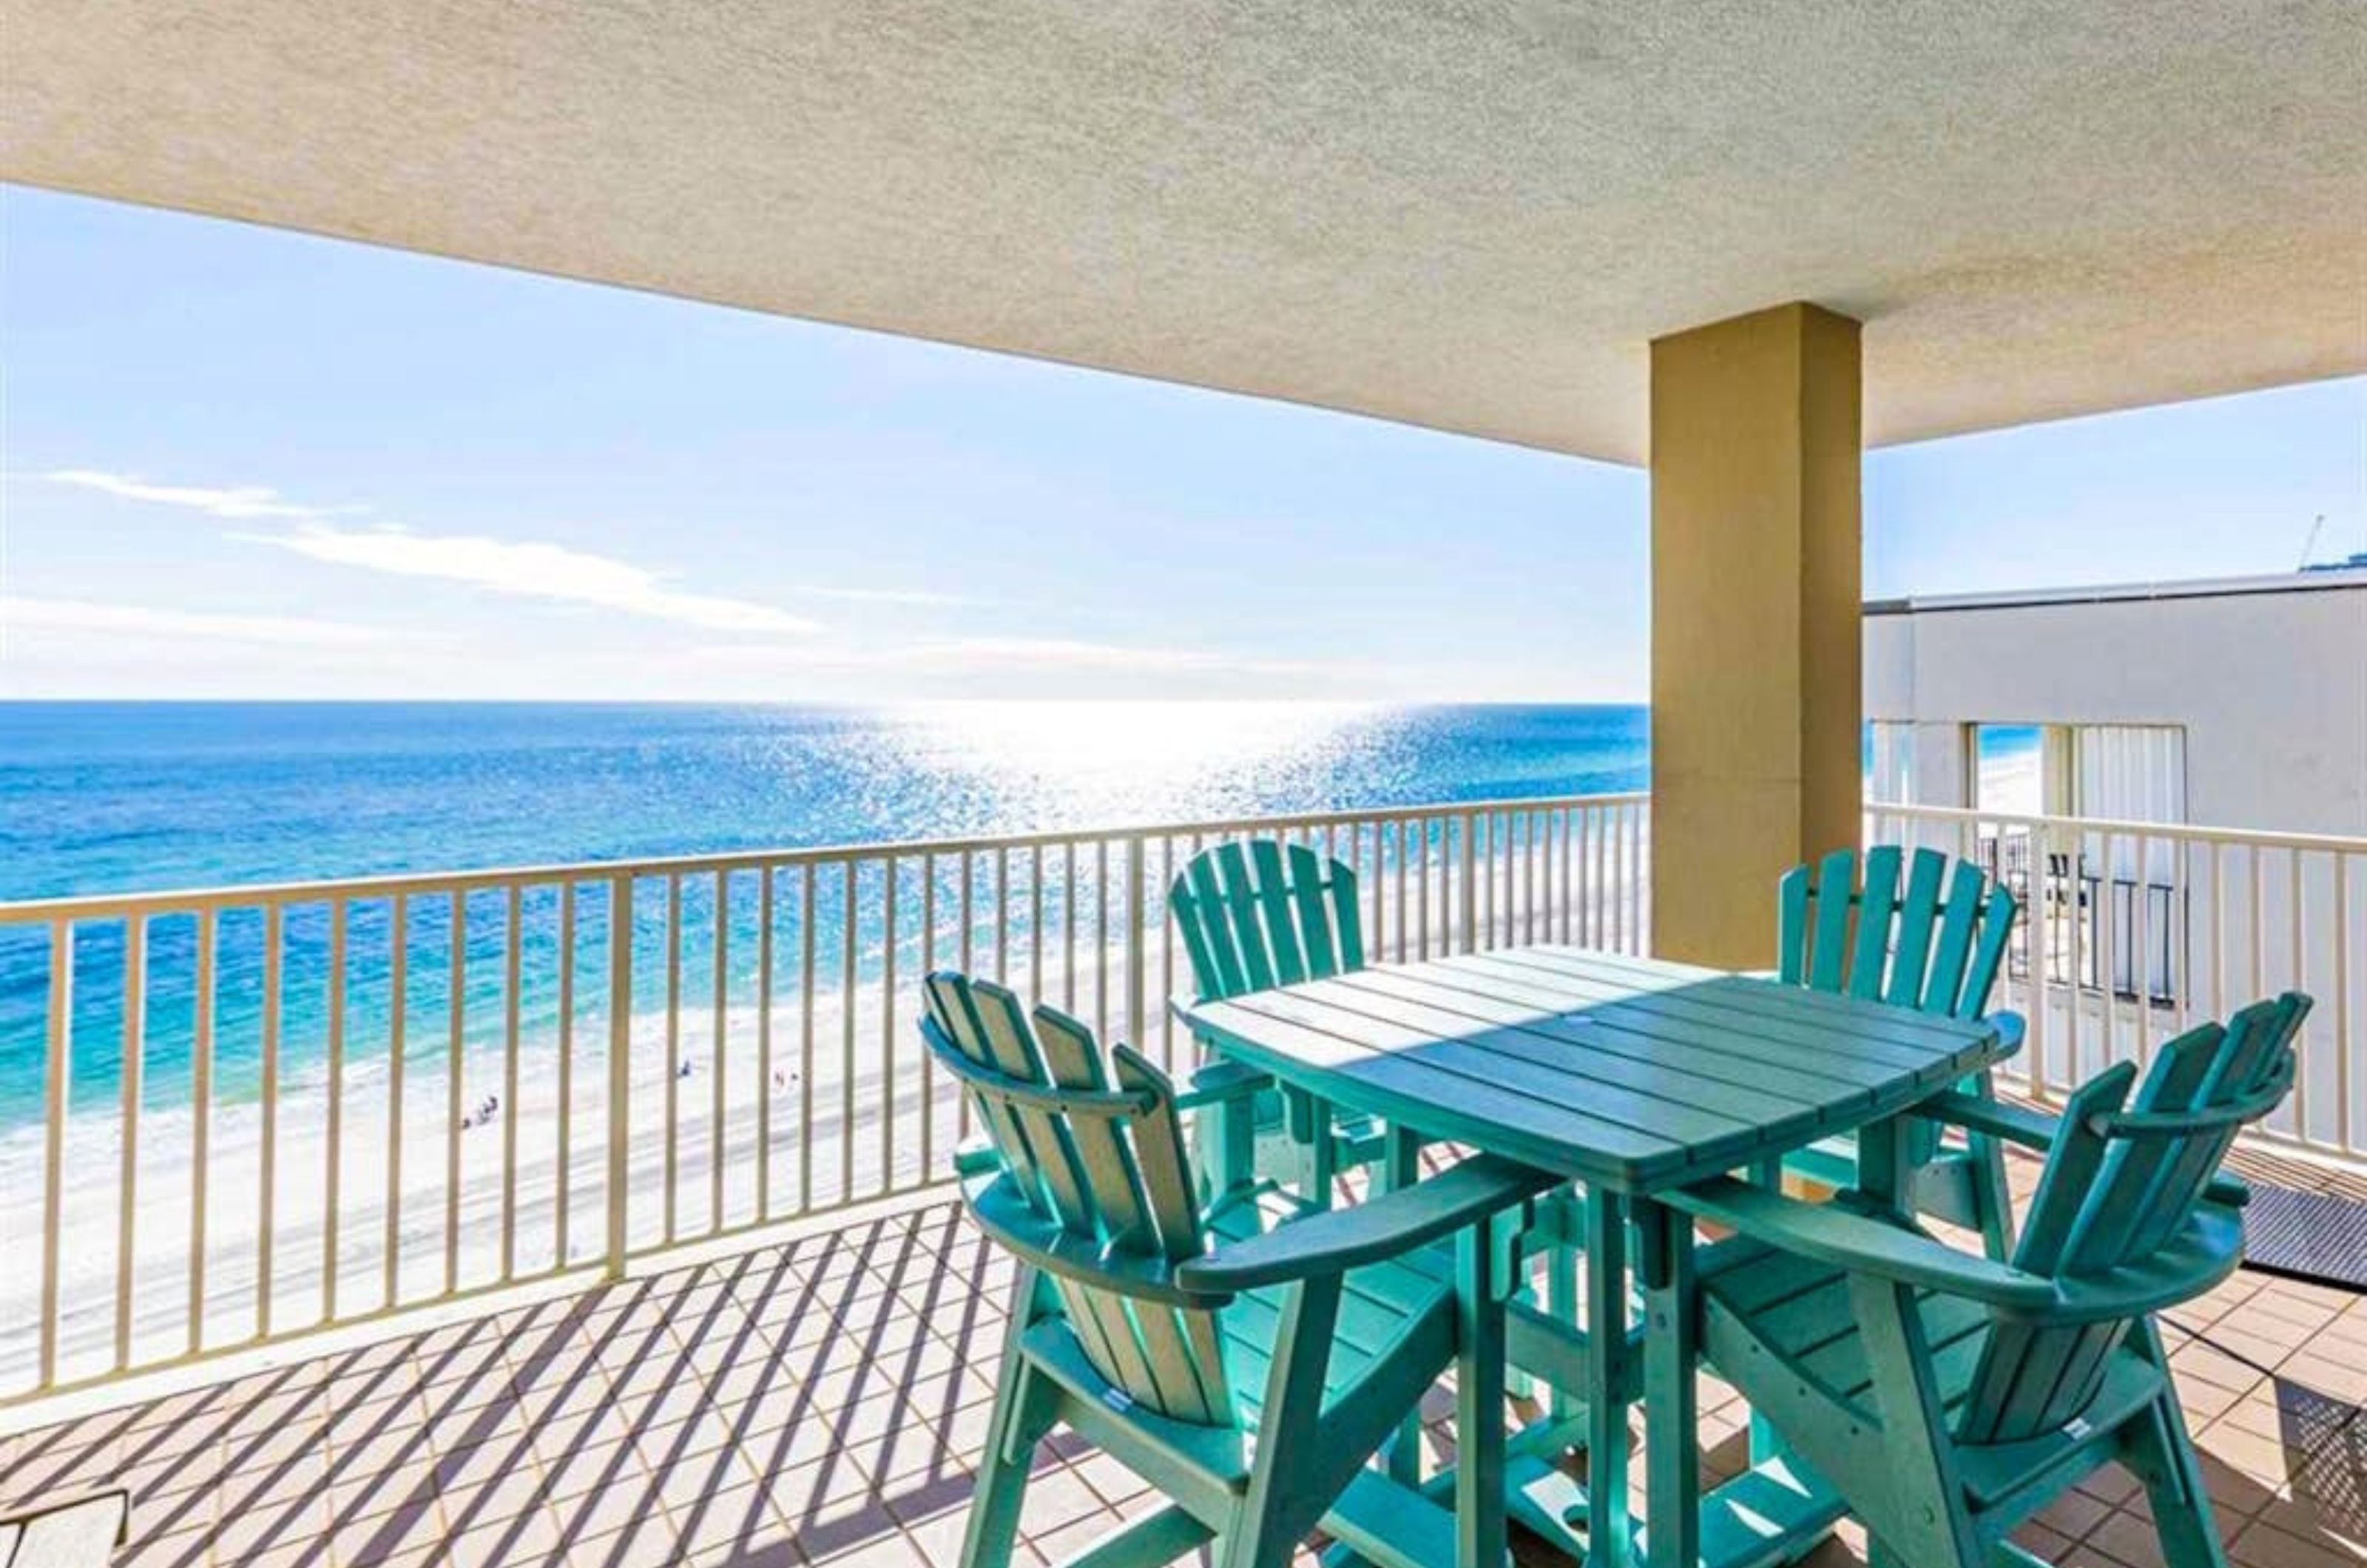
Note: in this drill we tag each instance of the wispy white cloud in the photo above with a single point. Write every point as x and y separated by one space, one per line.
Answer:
533 571
18 613
524 568
238 502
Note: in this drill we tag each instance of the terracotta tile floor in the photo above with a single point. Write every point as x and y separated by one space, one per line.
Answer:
821 1403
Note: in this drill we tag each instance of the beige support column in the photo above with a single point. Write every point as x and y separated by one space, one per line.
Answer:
1756 612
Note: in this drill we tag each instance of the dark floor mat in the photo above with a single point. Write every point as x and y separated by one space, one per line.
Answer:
2306 1236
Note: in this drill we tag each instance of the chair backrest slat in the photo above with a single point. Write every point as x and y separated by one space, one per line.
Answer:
1916 944
1242 909
1263 914
1103 1156
1877 904
1094 1147
1160 1156
1279 923
1016 1055
953 1014
1829 959
1953 951
1917 912
1997 930
1198 898
2118 1186
1792 926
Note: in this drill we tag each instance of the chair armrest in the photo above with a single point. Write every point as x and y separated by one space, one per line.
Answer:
1387 1227
1848 1239
2036 1130
1219 1082
2031 1129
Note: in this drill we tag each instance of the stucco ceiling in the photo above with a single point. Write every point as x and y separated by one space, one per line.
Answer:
1473 216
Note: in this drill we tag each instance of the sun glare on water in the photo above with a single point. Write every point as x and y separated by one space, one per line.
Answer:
1112 762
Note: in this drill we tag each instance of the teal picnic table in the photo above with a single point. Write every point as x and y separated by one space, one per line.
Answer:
1632 1077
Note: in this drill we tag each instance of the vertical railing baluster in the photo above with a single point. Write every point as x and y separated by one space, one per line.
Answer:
456 1064
202 1116
2297 978
57 1084
2142 970
562 1173
887 1025
268 1161
135 1052
718 1070
2343 1119
1101 938
928 1060
1035 922
969 944
1639 936
1421 882
1470 886
619 1149
513 965
1166 952
334 1175
1069 927
847 984
1137 936
398 1008
765 1087
673 1051
805 1037
2108 978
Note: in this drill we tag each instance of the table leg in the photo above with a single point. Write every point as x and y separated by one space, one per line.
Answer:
1881 1169
1671 1418
1607 1528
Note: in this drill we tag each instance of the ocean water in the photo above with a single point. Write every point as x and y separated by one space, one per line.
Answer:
112 797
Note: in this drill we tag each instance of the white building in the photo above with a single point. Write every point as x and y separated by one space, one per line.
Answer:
2185 837
2233 703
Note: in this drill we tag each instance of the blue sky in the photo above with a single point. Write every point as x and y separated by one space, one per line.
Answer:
243 463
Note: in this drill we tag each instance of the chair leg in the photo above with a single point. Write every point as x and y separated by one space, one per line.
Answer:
1991 1196
1023 1415
1025 1403
2158 1450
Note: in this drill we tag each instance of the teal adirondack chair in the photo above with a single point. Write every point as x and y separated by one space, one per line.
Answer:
1262 914
1948 1396
1247 1369
1910 946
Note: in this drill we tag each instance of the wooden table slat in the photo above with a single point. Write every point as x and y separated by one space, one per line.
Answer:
1696 1036
1440 1100
1582 1048
1871 1022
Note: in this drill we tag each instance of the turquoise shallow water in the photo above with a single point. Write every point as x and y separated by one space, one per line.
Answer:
105 798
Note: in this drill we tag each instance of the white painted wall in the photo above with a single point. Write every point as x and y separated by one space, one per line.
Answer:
2267 676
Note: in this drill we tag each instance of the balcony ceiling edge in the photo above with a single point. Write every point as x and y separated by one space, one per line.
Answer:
1475 222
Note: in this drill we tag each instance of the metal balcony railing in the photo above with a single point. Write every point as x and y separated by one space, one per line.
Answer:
236 1116
233 1116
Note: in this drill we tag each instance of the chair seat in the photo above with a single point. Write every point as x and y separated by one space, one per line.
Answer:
1377 1304
1798 1309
